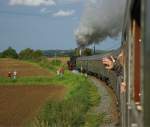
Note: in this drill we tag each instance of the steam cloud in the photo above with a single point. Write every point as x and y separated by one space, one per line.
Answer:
101 18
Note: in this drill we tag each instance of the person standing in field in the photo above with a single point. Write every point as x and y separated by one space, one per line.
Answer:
9 74
62 71
14 74
58 72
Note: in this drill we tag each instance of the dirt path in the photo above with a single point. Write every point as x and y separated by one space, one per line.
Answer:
19 104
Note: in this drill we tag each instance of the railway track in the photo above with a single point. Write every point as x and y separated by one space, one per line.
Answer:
108 103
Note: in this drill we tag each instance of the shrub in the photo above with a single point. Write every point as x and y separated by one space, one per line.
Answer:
10 53
56 62
63 114
30 54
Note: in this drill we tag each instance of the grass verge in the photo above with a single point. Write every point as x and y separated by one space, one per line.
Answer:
74 110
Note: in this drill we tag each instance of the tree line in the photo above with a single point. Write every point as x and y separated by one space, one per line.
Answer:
25 54
30 54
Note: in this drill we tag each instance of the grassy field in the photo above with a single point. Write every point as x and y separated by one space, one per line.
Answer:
71 111
62 59
74 110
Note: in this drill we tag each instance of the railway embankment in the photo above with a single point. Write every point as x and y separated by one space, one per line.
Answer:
107 105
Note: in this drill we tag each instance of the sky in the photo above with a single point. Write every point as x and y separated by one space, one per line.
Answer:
43 24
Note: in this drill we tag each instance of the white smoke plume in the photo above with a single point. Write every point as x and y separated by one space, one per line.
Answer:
101 19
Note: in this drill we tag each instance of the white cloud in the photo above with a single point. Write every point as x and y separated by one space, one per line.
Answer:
62 13
32 2
45 11
70 1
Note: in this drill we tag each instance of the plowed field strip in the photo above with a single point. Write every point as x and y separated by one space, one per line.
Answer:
22 68
19 104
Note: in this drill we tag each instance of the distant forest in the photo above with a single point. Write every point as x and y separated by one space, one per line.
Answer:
29 53
71 52
52 53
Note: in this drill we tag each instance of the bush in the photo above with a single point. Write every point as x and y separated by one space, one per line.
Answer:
0 54
63 114
9 53
30 54
93 120
56 62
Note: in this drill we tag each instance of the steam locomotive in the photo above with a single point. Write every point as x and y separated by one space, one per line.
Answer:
134 109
